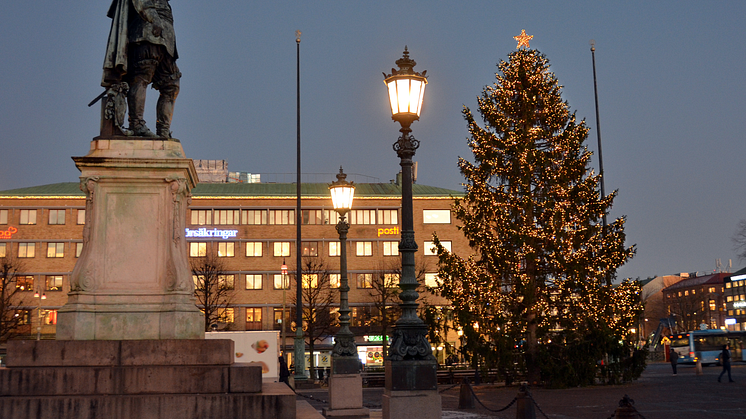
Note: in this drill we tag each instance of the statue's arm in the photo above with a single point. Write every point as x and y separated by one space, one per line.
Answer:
146 10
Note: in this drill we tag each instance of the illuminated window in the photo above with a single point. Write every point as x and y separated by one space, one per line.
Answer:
310 280
3 216
28 217
365 280
388 216
277 315
255 217
364 248
55 250
679 293
49 316
391 248
694 292
729 298
56 217
253 281
310 249
436 216
253 318
711 289
54 282
312 217
281 249
281 216
197 249
25 282
335 280
712 305
431 280
226 249
226 281
331 217
686 292
226 217
2 250
254 249
431 250
78 249
201 217
391 280
362 217
81 216
26 250
278 281
226 315
727 285
335 249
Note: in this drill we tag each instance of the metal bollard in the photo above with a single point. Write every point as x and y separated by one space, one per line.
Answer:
524 404
465 396
626 410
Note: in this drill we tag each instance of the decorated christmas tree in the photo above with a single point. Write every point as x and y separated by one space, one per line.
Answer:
537 291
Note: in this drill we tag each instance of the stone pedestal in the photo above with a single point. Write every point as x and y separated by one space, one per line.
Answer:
411 390
346 397
132 280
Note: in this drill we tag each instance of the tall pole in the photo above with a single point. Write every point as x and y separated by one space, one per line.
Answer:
299 344
598 128
283 325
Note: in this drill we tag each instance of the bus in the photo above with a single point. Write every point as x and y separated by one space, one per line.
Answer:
706 345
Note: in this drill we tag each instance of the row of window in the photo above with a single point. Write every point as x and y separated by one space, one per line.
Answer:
310 248
51 282
280 281
54 216
308 216
54 249
686 293
359 316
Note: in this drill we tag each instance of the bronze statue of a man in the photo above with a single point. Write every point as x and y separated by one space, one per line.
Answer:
142 50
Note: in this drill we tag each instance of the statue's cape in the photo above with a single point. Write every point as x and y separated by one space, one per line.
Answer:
115 60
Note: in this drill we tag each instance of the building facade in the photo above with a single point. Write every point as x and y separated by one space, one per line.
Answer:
251 229
735 300
697 301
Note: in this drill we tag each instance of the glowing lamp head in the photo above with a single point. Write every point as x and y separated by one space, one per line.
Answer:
406 89
284 267
343 192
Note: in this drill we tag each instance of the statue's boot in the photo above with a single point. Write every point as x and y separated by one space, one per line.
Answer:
164 109
136 107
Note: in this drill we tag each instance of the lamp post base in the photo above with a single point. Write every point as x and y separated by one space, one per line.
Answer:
411 390
346 397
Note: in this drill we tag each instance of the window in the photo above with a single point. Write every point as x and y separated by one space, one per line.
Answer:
436 216
310 280
49 316
253 281
727 285
28 217
277 315
335 249
711 289
331 216
364 248
253 217
226 217
197 249
2 250
362 216
686 292
729 299
26 250
25 282
431 280
391 280
254 249
201 217
278 281
281 249
81 216
365 280
226 281
312 217
225 249
388 216
226 315
694 292
310 248
78 249
431 250
54 282
282 216
56 217
3 216
391 248
55 250
253 318
335 280
712 305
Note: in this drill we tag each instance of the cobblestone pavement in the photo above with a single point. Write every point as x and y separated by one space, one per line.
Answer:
656 395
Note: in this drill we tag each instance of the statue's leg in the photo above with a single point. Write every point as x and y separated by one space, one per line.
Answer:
166 81
142 73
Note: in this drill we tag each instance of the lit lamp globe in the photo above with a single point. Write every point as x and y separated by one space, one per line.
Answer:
406 89
342 192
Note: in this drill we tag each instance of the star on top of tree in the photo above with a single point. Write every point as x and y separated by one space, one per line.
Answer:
523 39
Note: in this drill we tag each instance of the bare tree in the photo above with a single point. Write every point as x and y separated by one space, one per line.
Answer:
384 291
11 315
739 239
318 298
213 288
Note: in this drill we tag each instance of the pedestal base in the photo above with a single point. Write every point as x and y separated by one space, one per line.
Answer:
346 397
421 404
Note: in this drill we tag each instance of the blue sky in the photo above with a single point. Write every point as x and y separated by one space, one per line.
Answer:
670 77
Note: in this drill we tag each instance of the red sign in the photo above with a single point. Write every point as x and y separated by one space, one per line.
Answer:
8 233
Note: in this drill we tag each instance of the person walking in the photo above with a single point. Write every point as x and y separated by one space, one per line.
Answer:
725 360
284 371
673 358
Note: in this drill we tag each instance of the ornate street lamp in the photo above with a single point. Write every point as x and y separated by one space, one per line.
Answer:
42 296
410 363
344 353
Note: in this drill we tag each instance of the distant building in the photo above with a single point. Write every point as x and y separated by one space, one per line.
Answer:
697 301
211 171
652 298
735 300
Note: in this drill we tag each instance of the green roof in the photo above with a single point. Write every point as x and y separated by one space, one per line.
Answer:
371 190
